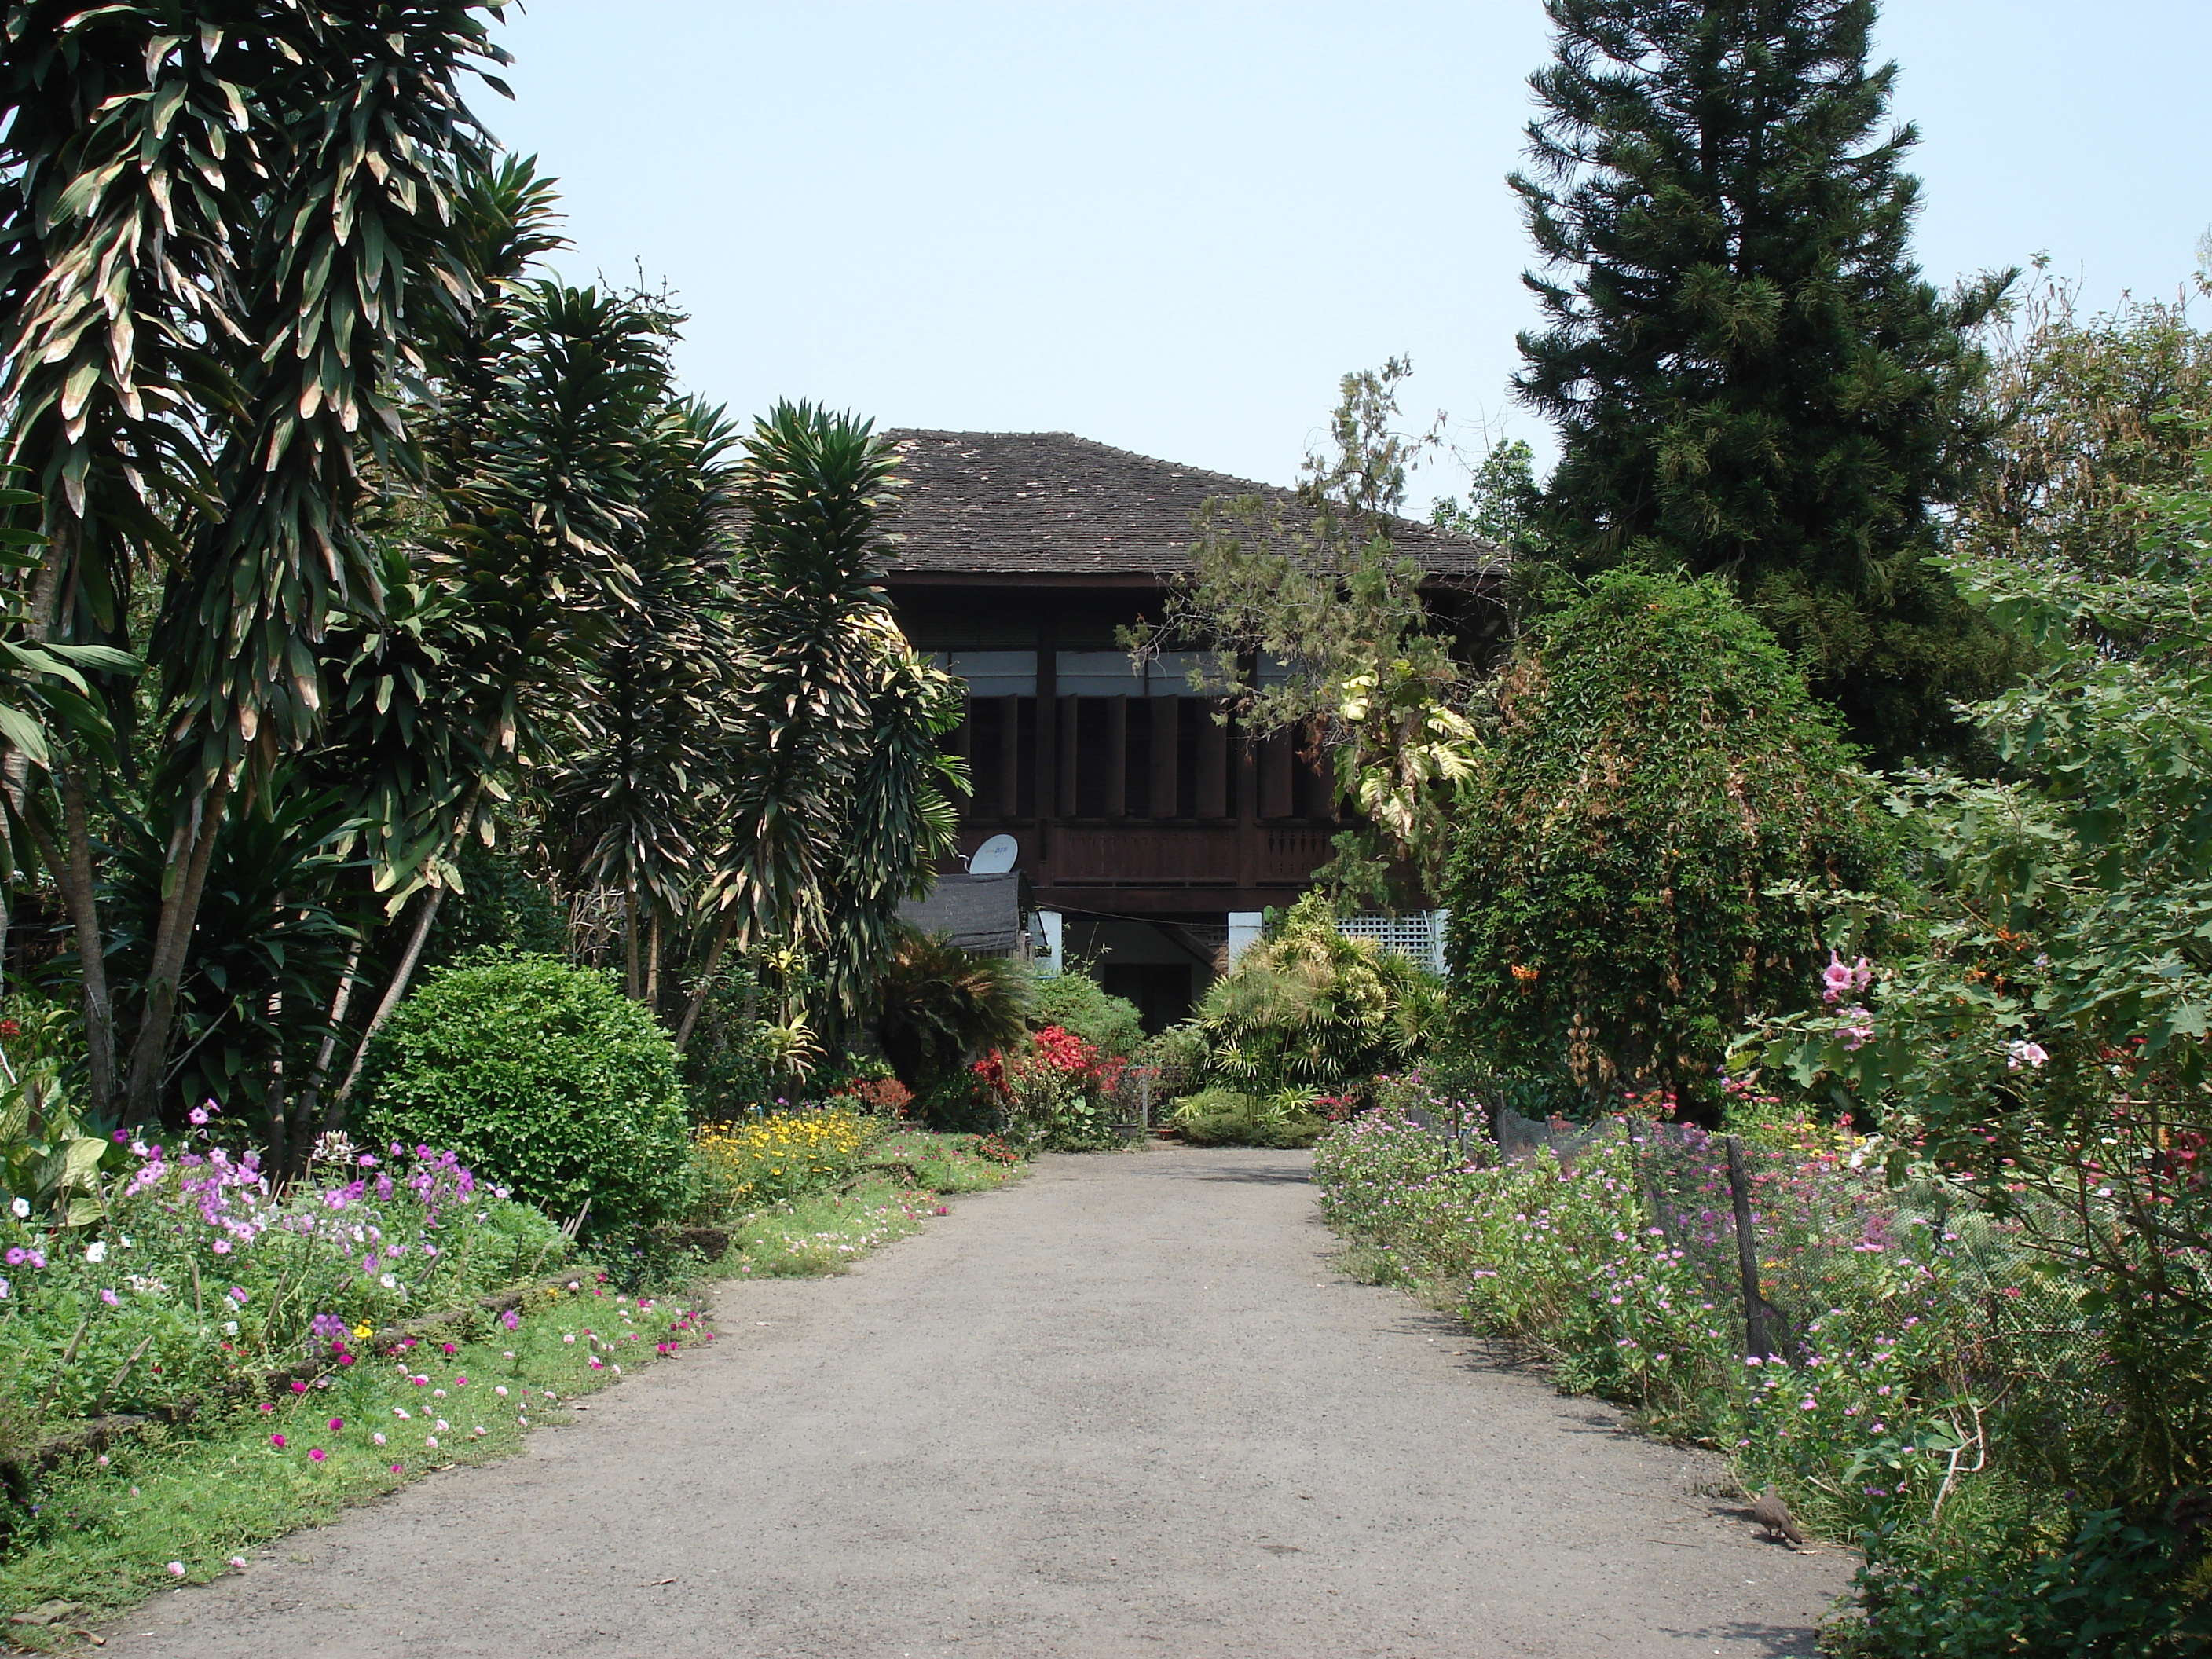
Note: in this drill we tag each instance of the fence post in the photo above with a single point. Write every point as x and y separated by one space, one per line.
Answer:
1757 1340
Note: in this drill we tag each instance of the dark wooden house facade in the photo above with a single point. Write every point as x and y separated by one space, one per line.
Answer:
1141 817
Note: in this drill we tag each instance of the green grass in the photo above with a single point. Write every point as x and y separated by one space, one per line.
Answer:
104 1532
825 1232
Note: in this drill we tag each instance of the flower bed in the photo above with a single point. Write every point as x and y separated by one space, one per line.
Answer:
195 1278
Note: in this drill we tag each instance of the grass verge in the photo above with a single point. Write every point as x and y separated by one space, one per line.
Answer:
188 1505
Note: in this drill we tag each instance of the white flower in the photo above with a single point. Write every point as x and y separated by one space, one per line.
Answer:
390 1281
22 1207
6 1289
96 1251
2019 1054
230 1327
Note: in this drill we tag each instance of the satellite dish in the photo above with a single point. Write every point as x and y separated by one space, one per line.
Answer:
994 857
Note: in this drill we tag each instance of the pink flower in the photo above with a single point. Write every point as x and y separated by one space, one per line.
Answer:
337 1423
395 1469
316 1454
176 1570
278 1440
378 1438
299 1387
510 1319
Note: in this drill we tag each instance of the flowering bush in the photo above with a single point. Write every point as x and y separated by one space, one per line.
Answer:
198 1275
766 1160
1661 775
1056 1090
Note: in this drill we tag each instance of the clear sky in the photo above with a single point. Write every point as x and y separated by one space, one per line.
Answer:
1172 226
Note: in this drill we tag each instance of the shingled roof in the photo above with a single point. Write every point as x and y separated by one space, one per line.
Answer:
1053 504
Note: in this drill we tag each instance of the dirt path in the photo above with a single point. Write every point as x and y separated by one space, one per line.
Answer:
1122 1408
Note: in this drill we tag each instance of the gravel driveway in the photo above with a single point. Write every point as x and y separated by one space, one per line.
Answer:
1122 1407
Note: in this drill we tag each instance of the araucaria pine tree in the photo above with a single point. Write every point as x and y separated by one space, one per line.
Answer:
1749 374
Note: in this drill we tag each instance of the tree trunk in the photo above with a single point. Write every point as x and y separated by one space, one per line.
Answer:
282 1148
692 1009
633 981
191 851
405 971
653 962
393 993
311 1096
81 889
70 863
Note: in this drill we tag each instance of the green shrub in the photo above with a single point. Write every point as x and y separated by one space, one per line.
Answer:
961 1104
545 1077
2109 1593
1225 1117
499 904
1309 1009
1076 1003
939 1006
1661 772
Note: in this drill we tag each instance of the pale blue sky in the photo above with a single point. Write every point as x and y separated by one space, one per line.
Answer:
1171 226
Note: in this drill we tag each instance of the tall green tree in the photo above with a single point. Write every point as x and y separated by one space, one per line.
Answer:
2095 414
1749 374
661 685
1369 676
215 226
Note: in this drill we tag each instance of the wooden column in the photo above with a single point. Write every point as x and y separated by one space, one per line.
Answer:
1067 757
1275 762
1248 819
1160 799
1321 781
1117 757
1010 757
1047 735
1212 800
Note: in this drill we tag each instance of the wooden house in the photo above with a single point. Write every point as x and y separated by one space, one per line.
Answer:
1142 820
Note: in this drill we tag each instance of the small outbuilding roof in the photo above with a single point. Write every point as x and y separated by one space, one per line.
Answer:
982 913
1052 504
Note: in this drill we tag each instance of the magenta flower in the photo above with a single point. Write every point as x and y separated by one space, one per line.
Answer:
336 1424
316 1454
278 1440
510 1319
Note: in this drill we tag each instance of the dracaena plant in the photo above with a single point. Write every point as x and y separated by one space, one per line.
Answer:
218 221
835 804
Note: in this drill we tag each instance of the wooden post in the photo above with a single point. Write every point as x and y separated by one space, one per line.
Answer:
1160 800
1763 1331
1212 800
1068 771
1010 758
1117 757
1275 760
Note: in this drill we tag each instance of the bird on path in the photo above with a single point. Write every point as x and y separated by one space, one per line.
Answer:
1772 1513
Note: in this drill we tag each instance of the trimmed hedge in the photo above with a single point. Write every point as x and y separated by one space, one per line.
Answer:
545 1077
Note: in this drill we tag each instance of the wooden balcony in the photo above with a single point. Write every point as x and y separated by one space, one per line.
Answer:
1150 805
